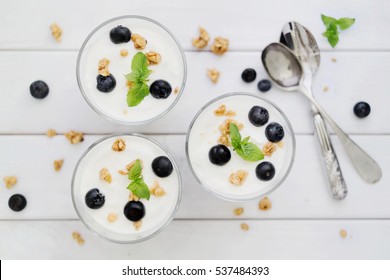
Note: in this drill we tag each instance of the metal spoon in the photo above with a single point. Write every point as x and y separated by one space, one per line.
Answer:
302 43
286 71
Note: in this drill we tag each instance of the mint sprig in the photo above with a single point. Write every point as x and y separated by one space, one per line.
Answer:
138 186
332 27
139 77
246 150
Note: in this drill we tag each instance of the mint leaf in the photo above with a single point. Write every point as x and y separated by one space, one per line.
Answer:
250 152
328 20
332 34
136 94
245 140
139 64
345 23
139 188
235 136
136 170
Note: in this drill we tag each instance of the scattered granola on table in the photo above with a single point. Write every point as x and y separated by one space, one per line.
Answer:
58 164
343 233
203 39
56 31
244 227
325 89
77 236
265 204
238 211
213 74
220 46
74 137
51 133
10 181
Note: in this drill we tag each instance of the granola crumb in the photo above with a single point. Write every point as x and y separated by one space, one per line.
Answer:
119 145
213 74
124 112
10 181
105 175
123 172
220 45
325 89
137 225
333 59
103 67
112 217
343 233
130 165
203 39
139 41
124 52
58 164
268 149
51 133
244 227
74 137
56 31
77 236
225 126
176 90
224 140
265 204
230 113
133 197
153 58
239 177
157 190
238 211
280 144
221 111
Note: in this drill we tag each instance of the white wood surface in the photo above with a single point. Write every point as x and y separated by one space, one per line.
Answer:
304 221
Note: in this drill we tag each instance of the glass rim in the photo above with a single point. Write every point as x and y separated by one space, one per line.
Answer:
178 200
229 198
101 112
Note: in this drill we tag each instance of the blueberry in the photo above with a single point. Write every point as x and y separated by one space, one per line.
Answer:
160 89
94 199
39 89
17 202
258 116
274 132
362 109
120 34
249 75
134 210
105 83
265 171
162 166
219 155
264 85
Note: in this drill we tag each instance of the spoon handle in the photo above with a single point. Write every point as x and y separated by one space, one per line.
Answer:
335 176
365 165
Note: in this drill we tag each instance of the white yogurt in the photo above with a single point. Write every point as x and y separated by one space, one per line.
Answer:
205 133
158 210
113 105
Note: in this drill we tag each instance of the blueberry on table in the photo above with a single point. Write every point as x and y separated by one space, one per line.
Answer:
274 132
134 210
219 155
105 83
17 202
249 75
265 171
39 89
162 166
264 85
258 116
160 89
120 34
362 109
94 199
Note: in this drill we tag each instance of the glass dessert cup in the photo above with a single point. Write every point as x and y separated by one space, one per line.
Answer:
113 105
110 221
208 129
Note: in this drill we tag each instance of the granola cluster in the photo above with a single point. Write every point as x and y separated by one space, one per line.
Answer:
268 149
133 197
119 145
238 211
265 204
213 74
244 227
238 178
220 45
124 52
77 236
56 31
51 133
103 67
222 111
129 166
74 137
58 164
157 190
10 181
105 175
343 233
203 39
153 58
139 41
224 128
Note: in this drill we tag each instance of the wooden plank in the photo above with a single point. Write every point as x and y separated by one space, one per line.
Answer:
304 194
249 25
184 239
65 109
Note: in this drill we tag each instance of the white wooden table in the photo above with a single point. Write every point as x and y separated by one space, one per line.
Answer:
304 221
